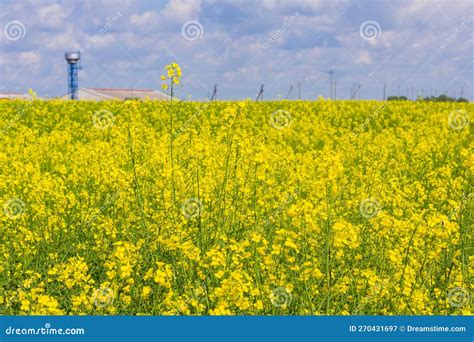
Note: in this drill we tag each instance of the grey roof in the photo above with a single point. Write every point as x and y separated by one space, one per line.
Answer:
14 96
122 94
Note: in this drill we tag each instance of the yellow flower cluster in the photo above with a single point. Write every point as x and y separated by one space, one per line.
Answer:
236 208
173 73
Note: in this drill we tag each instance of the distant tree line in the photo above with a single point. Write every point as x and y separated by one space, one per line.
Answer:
440 98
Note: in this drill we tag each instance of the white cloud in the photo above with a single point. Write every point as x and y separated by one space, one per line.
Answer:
363 57
231 49
67 39
52 16
284 4
181 10
175 12
146 19
29 57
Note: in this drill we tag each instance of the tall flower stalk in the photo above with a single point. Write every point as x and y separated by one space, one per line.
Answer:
172 77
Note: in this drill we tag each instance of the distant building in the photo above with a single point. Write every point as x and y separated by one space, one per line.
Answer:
4 96
100 94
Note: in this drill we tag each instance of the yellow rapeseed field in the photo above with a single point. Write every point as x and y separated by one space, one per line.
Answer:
236 208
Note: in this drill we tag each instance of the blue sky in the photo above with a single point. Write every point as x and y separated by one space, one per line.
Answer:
410 45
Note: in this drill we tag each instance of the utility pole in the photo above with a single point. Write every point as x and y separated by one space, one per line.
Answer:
330 82
214 93
290 93
299 90
335 89
260 94
384 91
355 89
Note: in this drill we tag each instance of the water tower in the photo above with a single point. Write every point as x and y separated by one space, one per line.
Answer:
72 59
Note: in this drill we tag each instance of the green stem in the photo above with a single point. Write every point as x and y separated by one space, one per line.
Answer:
170 110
